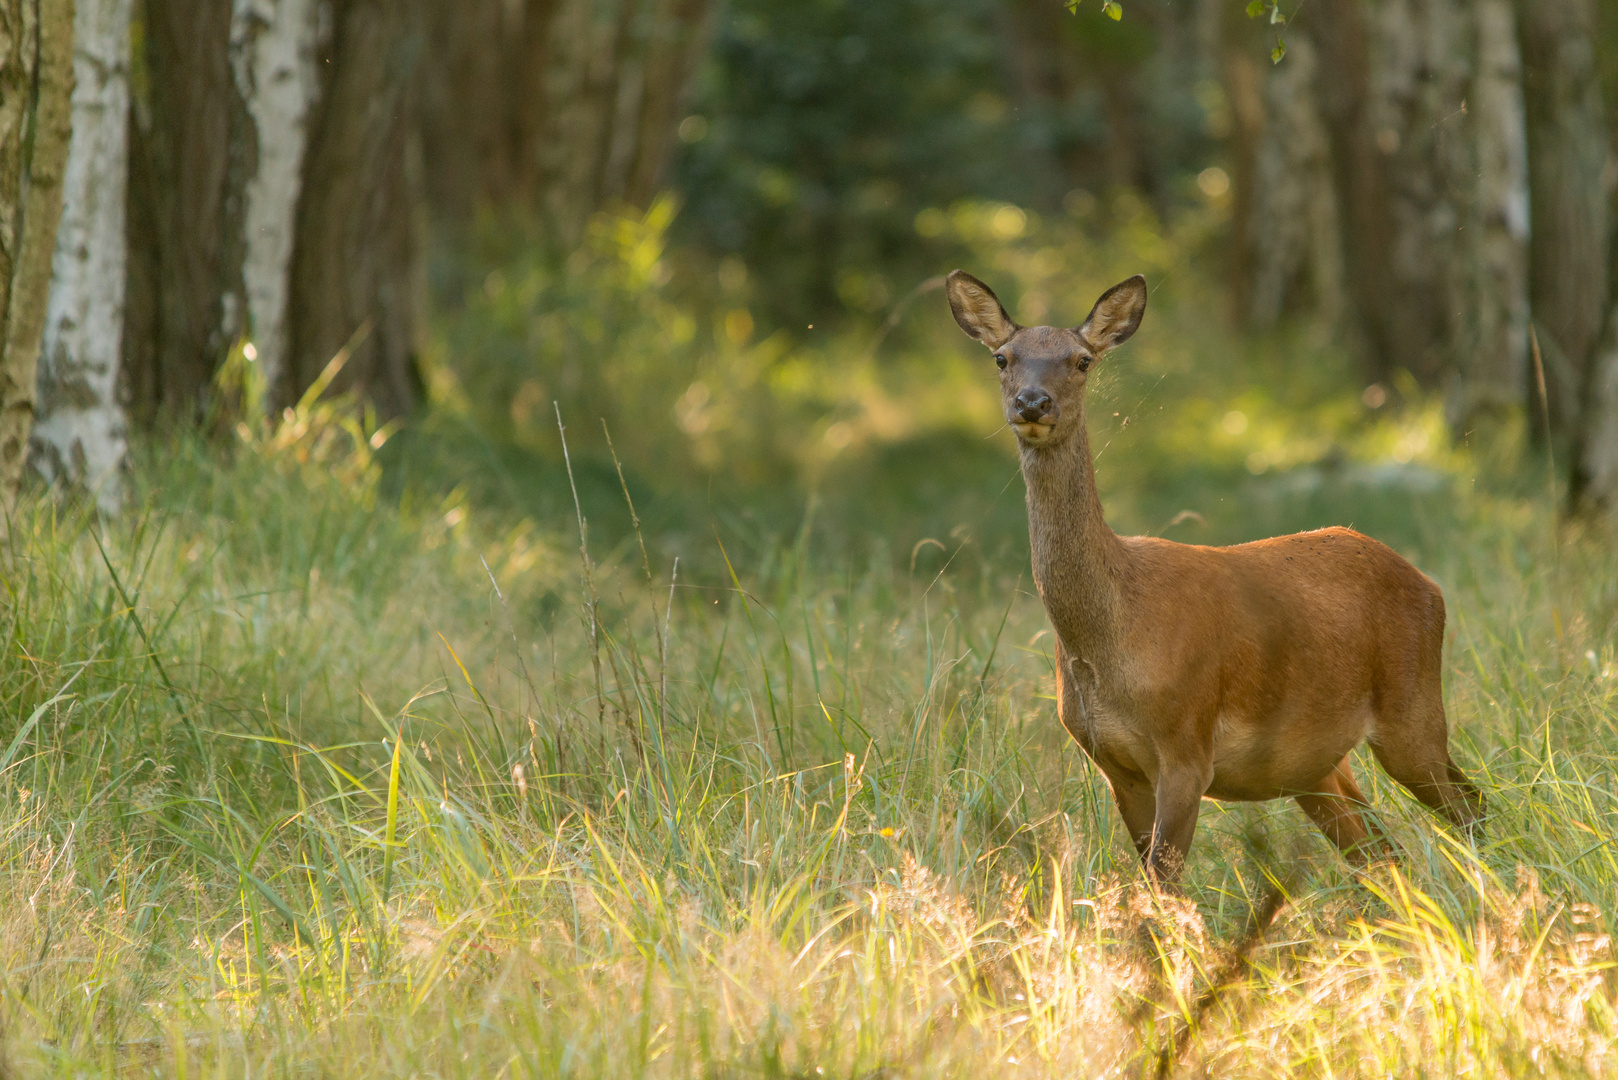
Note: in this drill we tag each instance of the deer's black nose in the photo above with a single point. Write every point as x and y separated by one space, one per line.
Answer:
1033 405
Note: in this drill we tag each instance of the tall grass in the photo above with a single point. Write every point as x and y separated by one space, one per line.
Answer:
302 781
454 755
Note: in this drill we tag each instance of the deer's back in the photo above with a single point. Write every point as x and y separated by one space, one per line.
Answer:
1319 585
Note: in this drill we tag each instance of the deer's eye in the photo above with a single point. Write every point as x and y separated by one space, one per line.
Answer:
1084 363
1000 361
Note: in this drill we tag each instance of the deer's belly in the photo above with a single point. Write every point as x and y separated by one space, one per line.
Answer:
1274 759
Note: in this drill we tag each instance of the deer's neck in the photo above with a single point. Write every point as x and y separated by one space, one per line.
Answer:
1077 558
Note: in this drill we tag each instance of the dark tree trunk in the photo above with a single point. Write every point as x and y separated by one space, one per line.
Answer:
612 78
1567 152
470 86
1286 223
189 153
1396 325
1594 487
356 262
562 105
1244 91
1058 59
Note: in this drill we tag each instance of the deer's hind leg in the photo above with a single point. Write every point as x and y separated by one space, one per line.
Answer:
1334 806
1412 746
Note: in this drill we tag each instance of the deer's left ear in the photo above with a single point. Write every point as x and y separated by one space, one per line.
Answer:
1116 315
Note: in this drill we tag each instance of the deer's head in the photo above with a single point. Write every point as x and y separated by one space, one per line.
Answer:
1043 369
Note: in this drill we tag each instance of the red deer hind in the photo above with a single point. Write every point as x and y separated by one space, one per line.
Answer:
1237 673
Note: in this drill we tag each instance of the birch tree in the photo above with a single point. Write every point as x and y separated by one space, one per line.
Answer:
36 85
274 46
218 142
79 436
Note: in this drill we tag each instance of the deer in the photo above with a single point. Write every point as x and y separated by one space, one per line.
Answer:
1242 673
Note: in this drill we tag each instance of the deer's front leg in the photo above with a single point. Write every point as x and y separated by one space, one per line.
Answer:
1178 794
1137 806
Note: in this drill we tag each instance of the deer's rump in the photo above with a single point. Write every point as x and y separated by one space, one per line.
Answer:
1279 656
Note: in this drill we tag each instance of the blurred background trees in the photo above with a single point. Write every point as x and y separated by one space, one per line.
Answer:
1429 180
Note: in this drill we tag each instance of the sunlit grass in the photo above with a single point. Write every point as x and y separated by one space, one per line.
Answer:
301 782
337 756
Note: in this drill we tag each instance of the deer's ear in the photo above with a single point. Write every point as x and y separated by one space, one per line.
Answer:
1116 315
978 310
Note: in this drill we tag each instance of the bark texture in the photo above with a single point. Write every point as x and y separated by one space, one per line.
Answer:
1488 364
36 87
79 436
1567 147
1292 239
563 105
1385 162
356 256
1594 489
190 149
273 48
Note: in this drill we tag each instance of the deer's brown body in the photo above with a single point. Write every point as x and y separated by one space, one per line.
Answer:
1246 672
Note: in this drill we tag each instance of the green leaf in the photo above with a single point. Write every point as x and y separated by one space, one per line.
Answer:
1278 52
1113 8
1255 8
1073 6
1276 18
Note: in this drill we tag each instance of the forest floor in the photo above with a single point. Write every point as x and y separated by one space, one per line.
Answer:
299 779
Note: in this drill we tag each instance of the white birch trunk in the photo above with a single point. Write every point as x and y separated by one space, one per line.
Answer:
79 436
273 57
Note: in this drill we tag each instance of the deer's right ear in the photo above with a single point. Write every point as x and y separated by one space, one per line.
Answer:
978 310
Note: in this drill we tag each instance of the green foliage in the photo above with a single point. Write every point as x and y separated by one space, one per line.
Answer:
821 130
1111 8
828 125
895 436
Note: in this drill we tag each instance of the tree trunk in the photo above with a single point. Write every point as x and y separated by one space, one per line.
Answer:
1361 182
1594 484
79 436
471 84
1291 233
1421 109
1488 362
1594 488
612 77
565 106
217 154
189 151
1567 150
274 45
356 256
1057 59
36 88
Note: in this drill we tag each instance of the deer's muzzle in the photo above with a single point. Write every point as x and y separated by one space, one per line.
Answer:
1034 407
